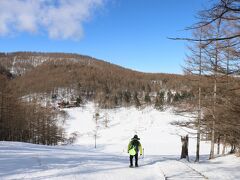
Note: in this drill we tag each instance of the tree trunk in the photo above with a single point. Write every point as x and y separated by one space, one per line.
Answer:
199 103
198 127
233 149
218 141
213 123
215 71
224 144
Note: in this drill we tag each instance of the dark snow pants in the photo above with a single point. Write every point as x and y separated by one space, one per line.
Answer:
136 159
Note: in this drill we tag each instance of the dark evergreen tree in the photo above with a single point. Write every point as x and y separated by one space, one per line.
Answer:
177 97
136 100
127 97
159 102
169 97
79 101
147 98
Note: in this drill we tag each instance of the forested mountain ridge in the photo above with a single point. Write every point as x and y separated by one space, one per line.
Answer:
88 78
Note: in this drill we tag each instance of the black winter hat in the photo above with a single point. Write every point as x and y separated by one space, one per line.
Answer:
136 137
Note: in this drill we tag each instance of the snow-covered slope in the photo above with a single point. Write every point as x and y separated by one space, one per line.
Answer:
157 135
109 160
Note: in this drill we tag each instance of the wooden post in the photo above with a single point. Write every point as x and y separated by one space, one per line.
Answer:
184 154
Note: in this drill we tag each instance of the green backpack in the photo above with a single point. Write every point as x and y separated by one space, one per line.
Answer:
132 151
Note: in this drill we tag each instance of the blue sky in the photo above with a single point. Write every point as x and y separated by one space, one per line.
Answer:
130 33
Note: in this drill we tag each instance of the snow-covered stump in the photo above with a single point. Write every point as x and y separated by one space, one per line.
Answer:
184 153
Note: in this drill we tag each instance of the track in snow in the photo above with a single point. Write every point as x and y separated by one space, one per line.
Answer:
178 170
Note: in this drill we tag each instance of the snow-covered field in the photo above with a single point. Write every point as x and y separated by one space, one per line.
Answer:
160 140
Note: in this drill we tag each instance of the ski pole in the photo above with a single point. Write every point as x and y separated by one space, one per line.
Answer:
143 153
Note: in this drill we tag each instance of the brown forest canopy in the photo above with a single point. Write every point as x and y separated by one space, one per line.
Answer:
45 72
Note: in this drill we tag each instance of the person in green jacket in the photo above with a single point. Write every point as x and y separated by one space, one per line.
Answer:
134 147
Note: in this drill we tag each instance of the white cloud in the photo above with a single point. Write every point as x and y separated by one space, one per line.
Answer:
61 19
